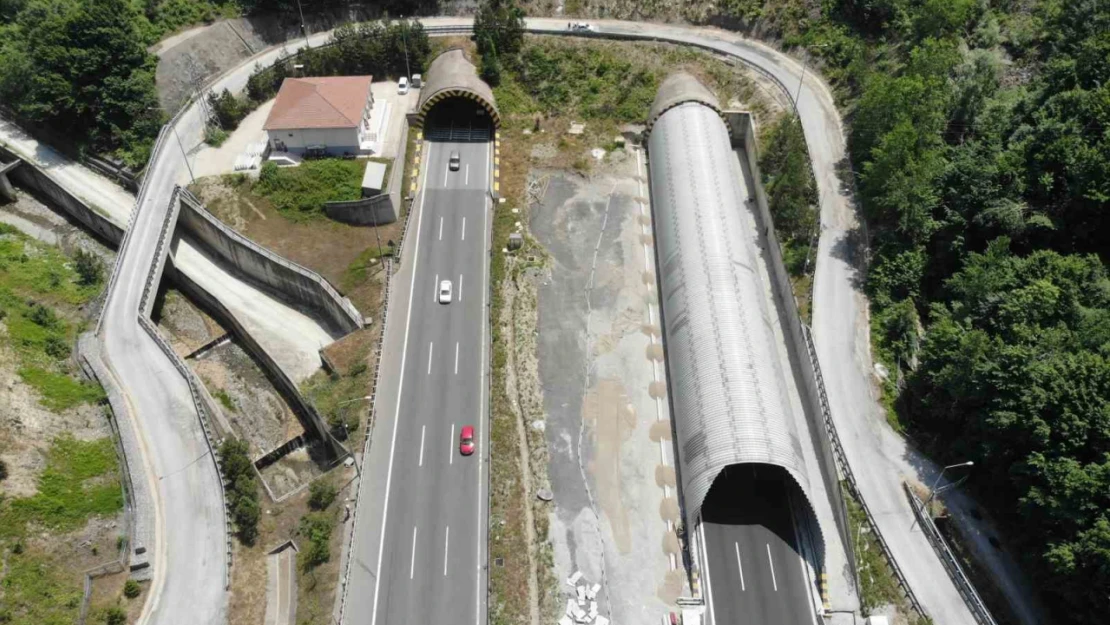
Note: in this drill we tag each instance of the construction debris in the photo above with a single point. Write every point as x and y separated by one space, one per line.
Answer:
582 608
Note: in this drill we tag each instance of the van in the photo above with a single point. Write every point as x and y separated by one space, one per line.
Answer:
403 85
417 81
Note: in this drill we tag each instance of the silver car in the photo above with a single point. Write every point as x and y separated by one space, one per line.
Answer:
453 164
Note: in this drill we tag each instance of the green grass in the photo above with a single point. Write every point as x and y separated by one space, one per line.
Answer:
225 399
37 591
80 482
60 391
361 268
877 584
39 290
299 193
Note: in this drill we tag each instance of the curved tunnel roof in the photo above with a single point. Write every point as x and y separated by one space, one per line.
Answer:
729 393
451 75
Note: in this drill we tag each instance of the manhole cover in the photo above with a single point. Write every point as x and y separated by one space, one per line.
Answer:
545 494
499 562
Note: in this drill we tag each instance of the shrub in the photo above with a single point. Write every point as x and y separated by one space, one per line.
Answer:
90 270
3 470
115 616
316 527
132 589
242 488
321 495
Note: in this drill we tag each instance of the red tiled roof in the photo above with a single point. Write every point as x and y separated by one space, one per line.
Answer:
319 102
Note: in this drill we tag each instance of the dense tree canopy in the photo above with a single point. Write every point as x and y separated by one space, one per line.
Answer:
980 138
82 67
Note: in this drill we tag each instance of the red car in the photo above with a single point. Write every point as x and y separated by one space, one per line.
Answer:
466 440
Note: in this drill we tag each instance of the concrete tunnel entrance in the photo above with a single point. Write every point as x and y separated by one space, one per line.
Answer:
453 92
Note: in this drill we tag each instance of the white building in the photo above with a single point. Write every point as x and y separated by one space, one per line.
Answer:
324 115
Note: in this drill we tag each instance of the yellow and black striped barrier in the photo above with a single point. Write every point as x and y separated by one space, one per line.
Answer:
825 591
497 162
416 162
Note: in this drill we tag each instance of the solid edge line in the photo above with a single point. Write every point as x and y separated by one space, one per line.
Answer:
739 566
708 582
486 245
400 387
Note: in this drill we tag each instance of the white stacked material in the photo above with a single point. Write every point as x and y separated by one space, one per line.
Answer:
572 581
256 148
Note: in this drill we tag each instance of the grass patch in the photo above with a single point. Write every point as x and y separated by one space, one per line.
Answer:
80 482
225 400
41 291
61 391
365 266
299 193
37 591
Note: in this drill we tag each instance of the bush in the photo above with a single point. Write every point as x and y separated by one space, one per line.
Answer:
321 495
3 470
241 488
115 616
214 136
300 192
90 270
132 589
316 527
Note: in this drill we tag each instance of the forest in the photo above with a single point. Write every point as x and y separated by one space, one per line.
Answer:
979 135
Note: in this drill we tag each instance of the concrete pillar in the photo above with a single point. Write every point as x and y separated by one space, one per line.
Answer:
6 190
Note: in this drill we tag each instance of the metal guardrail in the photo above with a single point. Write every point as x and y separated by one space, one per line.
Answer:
154 276
948 559
842 461
371 420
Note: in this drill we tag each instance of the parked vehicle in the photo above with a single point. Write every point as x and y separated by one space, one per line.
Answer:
403 85
417 81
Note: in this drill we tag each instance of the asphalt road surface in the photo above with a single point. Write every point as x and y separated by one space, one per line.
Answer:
755 572
431 535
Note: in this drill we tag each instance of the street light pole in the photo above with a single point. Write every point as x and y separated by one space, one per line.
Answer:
801 79
933 490
405 43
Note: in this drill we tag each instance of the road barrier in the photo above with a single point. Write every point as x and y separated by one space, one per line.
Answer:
948 559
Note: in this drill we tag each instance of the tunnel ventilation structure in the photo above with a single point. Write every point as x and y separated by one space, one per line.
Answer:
451 75
729 395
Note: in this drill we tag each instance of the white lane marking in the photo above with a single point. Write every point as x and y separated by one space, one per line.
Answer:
412 564
445 172
441 228
446 544
435 289
708 583
464 229
451 446
460 287
739 566
467 181
773 580
431 347
456 358
397 409
481 404
422 429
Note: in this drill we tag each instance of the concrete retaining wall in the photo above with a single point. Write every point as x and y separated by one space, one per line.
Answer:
301 287
744 135
372 211
40 182
308 414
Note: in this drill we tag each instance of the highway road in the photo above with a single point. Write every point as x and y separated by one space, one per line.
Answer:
420 546
754 571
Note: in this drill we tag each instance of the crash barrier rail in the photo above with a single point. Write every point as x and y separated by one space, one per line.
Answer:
371 420
153 276
850 478
948 559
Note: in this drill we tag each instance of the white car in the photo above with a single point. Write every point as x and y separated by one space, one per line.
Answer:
403 85
445 292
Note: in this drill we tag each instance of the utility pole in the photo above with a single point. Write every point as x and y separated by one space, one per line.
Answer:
933 490
304 29
805 59
184 153
405 43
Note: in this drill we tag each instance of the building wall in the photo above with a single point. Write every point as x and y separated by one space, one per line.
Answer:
337 140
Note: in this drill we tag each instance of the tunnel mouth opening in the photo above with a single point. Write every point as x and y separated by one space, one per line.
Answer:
756 494
460 120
